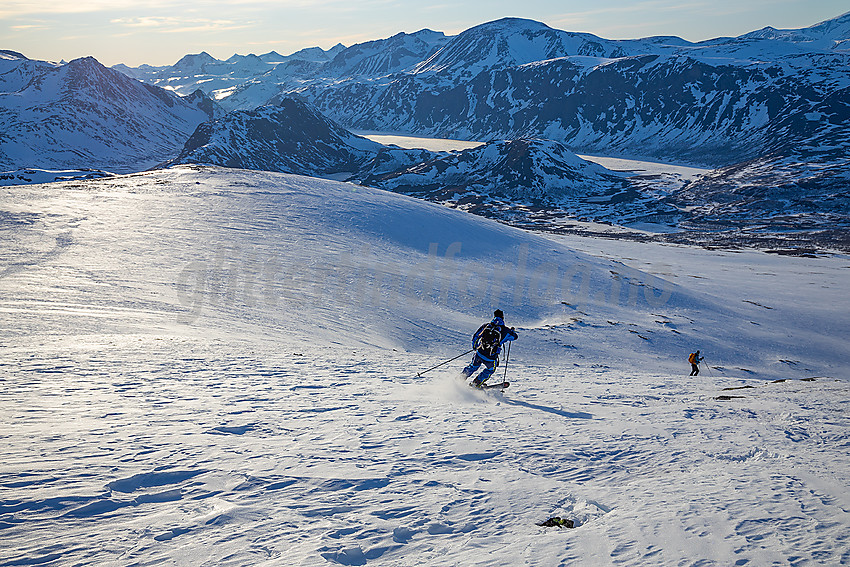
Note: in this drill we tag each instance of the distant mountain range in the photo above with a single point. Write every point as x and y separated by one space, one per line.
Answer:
203 71
769 110
712 103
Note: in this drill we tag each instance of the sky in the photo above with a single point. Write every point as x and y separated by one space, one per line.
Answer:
160 32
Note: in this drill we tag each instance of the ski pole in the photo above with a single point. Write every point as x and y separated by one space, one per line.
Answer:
707 367
507 359
419 374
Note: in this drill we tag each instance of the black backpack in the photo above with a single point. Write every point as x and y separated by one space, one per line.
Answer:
490 339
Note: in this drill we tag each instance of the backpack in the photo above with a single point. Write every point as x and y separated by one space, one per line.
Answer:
490 340
693 358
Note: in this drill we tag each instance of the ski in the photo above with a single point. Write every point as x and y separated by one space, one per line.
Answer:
486 386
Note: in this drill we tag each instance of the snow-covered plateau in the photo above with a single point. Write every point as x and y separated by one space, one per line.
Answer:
210 366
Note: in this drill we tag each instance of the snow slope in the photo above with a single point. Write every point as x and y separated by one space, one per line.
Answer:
212 366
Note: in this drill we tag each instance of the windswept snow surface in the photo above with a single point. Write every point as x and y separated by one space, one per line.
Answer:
203 366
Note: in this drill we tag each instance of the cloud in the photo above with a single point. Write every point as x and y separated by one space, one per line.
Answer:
179 25
18 8
208 26
145 22
29 27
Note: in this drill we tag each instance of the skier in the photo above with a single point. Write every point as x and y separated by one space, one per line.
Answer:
694 358
487 342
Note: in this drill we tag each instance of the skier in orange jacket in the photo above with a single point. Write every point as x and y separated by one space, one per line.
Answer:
695 359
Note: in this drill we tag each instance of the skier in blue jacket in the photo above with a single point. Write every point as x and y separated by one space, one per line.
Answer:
487 342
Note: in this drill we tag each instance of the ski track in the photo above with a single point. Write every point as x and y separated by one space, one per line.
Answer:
135 437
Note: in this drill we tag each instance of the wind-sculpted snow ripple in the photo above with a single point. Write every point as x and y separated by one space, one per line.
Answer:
392 476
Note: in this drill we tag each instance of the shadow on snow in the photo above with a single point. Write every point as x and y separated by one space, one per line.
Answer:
547 409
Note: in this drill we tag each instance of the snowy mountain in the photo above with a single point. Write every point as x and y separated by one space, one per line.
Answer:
312 54
714 103
239 86
783 200
539 172
367 61
84 115
220 366
683 106
798 186
141 73
829 35
711 103
268 87
17 70
288 137
769 97
203 71
200 63
541 184
385 56
759 98
511 42
274 57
